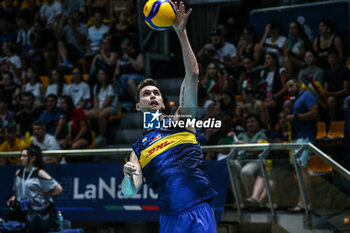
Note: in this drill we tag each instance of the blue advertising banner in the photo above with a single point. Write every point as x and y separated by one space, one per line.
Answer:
308 15
92 192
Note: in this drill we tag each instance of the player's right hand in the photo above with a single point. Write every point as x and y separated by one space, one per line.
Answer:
129 169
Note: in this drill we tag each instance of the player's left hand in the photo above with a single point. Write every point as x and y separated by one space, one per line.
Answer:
181 16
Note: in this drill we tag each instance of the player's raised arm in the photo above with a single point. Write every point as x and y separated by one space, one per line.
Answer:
132 176
188 92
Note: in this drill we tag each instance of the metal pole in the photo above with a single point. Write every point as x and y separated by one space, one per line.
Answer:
232 171
302 189
262 159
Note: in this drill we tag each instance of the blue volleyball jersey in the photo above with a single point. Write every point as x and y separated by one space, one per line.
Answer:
172 164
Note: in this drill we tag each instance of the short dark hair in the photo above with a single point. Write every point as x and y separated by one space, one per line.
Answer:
252 115
144 83
333 51
28 94
11 128
40 123
52 96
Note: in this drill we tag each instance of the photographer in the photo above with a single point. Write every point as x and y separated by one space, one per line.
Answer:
31 181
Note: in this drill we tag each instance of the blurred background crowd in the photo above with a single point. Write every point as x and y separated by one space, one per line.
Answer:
68 68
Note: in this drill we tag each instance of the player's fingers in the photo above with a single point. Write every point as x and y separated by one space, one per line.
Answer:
189 12
182 7
176 5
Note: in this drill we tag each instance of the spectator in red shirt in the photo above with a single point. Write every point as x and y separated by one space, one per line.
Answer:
78 135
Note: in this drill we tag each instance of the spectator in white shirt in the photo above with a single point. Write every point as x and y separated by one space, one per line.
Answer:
95 34
79 90
219 50
105 103
44 141
50 12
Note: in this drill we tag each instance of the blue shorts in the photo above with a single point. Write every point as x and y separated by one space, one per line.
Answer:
196 219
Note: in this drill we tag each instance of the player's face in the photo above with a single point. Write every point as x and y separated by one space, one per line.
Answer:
150 99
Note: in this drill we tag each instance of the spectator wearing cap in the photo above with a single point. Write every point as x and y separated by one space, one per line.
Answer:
44 140
218 50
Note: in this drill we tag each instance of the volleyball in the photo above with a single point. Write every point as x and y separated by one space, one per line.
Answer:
159 14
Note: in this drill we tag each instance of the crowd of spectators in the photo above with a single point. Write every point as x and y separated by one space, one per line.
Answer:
275 89
65 65
89 54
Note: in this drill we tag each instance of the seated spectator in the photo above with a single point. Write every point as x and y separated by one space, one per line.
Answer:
294 49
215 81
336 84
218 51
11 62
275 78
105 103
50 12
71 6
44 140
203 102
325 41
247 46
34 86
78 135
44 48
122 28
26 117
9 90
12 143
71 48
249 77
280 163
24 32
129 69
51 114
7 34
79 90
41 183
58 84
312 72
6 116
95 34
224 106
105 59
251 105
272 41
246 163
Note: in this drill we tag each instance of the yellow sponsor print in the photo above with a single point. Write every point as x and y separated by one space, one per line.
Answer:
164 144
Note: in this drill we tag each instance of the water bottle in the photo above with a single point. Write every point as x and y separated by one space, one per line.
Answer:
60 220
